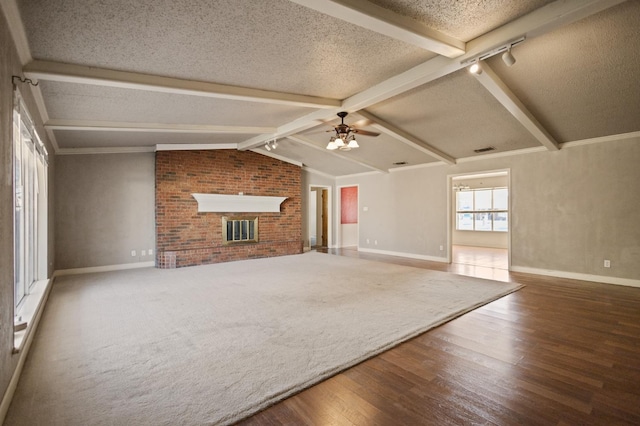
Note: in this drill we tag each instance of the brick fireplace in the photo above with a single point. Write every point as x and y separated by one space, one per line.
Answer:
185 237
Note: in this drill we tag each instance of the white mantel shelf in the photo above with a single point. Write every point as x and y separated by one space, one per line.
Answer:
237 203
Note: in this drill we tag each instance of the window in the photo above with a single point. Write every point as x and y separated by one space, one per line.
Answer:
484 209
239 230
29 201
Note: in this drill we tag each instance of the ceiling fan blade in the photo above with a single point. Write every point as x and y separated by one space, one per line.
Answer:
364 122
365 132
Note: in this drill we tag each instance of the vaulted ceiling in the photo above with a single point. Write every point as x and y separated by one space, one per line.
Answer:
120 75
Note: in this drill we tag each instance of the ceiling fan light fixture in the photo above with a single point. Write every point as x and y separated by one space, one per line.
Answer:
331 146
353 143
339 142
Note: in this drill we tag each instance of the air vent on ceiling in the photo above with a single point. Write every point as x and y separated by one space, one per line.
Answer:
400 163
487 149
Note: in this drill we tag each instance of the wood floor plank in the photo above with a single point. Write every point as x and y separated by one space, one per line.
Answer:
557 352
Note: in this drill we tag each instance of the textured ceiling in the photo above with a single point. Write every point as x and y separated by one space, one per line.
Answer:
104 139
456 115
252 43
89 102
581 81
575 76
462 19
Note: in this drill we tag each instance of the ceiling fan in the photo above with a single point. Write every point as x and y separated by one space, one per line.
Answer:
345 139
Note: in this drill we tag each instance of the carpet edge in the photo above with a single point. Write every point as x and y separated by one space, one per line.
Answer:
281 396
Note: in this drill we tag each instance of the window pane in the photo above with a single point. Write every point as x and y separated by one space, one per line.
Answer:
501 222
465 222
230 230
245 225
464 200
501 199
483 199
483 221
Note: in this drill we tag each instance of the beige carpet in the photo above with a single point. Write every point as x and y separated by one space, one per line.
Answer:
213 344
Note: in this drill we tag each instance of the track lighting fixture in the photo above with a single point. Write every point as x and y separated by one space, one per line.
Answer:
271 145
508 58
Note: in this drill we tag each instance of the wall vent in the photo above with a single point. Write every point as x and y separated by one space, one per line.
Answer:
487 149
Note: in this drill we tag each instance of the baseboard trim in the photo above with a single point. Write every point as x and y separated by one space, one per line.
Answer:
577 276
106 268
24 347
402 254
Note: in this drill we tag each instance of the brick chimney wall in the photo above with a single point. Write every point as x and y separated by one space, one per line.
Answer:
185 237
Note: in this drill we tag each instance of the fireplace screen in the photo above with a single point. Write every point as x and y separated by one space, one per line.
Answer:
239 229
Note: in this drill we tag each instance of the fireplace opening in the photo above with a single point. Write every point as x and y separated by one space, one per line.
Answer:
239 230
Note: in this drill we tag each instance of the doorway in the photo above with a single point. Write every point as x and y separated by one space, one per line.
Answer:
479 213
319 217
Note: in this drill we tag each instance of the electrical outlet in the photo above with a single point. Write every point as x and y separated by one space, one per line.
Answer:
375 242
143 253
150 252
607 263
133 253
367 241
441 248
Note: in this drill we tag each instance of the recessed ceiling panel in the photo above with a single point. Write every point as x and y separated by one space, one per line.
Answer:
106 139
88 102
268 44
382 152
462 19
315 159
581 81
456 115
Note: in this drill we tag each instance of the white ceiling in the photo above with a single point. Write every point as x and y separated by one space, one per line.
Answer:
118 75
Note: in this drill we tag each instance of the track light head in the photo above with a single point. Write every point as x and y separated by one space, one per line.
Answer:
475 68
508 58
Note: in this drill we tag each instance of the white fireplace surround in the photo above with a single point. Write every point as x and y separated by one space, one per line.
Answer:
237 203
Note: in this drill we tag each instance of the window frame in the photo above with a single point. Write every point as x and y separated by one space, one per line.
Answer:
474 211
30 194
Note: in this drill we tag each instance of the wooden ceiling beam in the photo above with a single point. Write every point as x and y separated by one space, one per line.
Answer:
80 74
540 21
383 21
510 101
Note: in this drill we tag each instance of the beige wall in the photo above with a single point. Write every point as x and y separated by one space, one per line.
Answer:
105 207
571 209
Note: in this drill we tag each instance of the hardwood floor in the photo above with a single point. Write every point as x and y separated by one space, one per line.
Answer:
557 352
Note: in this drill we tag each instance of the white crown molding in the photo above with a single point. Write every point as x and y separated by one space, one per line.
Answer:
120 150
602 139
121 126
194 146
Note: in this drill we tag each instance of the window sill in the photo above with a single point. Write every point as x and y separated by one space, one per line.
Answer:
30 311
